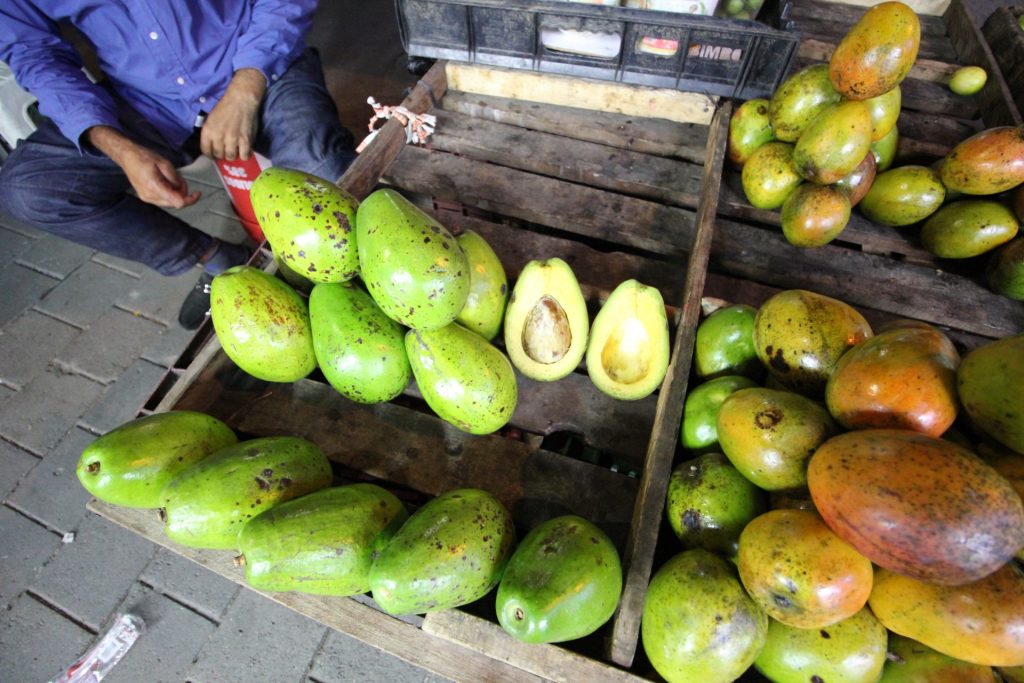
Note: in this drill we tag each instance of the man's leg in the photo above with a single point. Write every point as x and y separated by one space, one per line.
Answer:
299 125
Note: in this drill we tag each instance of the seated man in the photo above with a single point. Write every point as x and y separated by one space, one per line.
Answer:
218 77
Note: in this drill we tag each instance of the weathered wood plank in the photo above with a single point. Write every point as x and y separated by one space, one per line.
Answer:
364 623
933 47
571 207
927 7
568 91
589 163
846 15
821 49
650 136
638 560
1006 40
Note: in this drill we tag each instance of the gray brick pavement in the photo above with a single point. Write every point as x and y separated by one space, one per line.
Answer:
89 578
54 256
133 268
110 345
86 294
15 463
51 492
167 349
37 643
156 296
122 400
22 288
12 244
25 547
343 659
29 344
39 416
203 591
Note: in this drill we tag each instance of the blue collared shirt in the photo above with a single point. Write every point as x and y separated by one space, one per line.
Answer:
169 59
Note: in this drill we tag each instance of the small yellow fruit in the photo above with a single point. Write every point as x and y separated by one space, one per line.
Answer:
968 80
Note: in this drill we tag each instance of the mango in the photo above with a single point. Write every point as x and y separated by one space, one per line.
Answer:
322 543
968 228
207 505
850 651
990 381
698 430
488 287
887 492
814 215
911 662
262 324
628 353
800 335
412 266
450 552
1017 200
770 175
1005 270
876 54
562 582
902 378
800 98
968 80
884 111
903 196
360 350
130 465
709 503
547 324
857 182
884 150
464 379
800 572
749 128
834 143
987 162
724 343
979 622
309 222
698 623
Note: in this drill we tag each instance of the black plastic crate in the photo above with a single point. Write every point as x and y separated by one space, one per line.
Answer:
711 55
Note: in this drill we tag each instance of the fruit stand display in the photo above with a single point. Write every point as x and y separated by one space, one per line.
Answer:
627 185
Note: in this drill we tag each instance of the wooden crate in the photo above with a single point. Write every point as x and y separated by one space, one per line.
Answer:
617 195
1005 38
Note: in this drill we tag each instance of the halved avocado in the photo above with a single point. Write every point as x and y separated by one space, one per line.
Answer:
546 322
629 351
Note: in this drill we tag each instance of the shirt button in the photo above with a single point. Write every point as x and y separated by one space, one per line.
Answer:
273 77
202 99
153 35
179 80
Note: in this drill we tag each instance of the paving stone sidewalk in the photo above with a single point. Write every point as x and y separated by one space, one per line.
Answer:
85 339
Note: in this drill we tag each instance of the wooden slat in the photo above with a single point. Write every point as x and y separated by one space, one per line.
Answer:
1004 37
360 621
639 557
930 7
651 136
933 47
820 50
846 15
569 91
549 661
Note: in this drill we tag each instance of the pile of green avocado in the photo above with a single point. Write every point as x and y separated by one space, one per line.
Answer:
392 296
271 500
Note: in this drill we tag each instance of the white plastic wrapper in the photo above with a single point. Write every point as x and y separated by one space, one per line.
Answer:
97 662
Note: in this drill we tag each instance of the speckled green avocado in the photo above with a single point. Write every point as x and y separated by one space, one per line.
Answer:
488 287
207 505
309 222
323 543
130 465
450 552
412 266
360 350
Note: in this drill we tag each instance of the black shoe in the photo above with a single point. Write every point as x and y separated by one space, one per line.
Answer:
196 306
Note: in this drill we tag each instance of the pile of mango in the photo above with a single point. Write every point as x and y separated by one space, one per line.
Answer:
826 139
393 296
849 506
272 501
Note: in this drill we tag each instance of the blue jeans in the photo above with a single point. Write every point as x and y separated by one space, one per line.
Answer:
48 184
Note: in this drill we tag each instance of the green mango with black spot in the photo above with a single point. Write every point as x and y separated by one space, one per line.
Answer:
884 149
323 543
207 505
360 350
770 175
1005 271
968 228
563 582
834 143
309 222
463 378
412 266
130 465
450 552
903 196
799 99
912 662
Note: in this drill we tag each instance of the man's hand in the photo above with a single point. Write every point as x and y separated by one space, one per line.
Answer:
155 179
230 128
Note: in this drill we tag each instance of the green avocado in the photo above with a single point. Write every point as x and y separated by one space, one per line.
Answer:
799 99
725 343
563 582
700 410
360 350
488 287
463 378
130 465
1005 271
849 651
450 552
262 324
322 543
207 505
309 222
698 622
546 324
628 353
968 228
412 266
